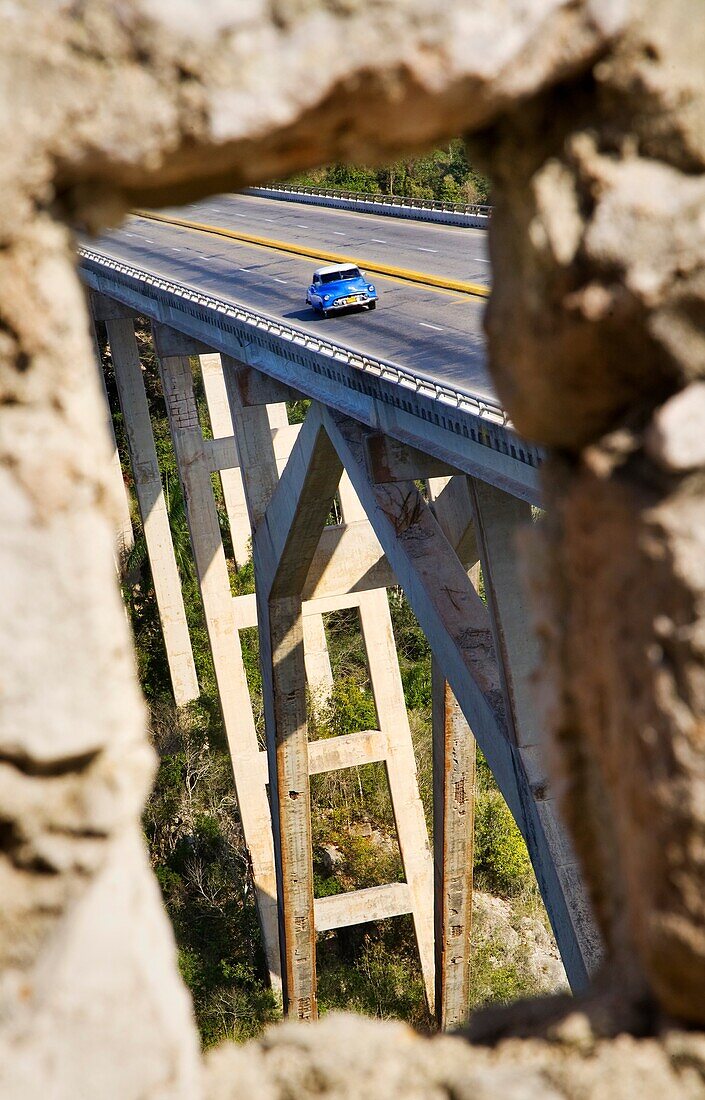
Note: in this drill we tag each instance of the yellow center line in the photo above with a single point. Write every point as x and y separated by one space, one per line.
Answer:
435 281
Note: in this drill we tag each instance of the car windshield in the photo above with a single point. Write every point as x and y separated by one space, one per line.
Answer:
342 273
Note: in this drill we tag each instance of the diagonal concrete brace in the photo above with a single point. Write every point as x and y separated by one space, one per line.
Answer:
457 626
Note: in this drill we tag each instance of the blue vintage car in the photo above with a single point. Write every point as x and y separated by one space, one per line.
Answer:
340 287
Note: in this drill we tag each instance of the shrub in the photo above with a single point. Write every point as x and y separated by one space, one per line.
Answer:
416 680
351 708
502 862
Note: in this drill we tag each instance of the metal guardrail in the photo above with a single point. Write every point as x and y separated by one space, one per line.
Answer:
476 209
479 406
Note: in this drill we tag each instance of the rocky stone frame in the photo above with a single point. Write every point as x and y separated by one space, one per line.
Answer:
590 117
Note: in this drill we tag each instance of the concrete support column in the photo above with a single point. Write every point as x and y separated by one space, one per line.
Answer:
499 521
277 415
319 674
295 554
453 843
412 833
280 628
451 504
231 480
124 535
194 472
284 544
454 753
350 504
153 510
253 431
283 688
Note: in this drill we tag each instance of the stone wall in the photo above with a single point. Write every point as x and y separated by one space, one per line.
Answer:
590 117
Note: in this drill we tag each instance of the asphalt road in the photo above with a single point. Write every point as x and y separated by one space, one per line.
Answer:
444 250
436 333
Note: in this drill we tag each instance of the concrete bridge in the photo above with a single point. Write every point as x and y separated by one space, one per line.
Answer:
392 405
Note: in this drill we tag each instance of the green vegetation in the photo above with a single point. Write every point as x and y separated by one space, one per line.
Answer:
193 830
444 174
502 863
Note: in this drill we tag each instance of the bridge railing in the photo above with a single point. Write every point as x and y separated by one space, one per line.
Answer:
476 209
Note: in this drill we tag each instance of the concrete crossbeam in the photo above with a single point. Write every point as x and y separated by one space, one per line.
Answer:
245 611
222 455
333 602
348 750
390 460
255 388
362 906
245 607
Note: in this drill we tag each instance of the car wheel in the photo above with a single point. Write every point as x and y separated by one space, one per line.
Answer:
372 305
323 313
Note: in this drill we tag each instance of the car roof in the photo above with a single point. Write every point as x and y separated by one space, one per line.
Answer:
334 267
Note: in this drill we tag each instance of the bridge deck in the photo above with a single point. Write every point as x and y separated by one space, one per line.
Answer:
436 333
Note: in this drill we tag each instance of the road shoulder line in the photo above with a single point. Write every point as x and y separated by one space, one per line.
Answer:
474 289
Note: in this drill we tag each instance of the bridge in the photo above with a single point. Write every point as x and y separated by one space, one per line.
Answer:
397 399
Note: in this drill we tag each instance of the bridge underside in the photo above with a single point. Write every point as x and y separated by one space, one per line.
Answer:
279 482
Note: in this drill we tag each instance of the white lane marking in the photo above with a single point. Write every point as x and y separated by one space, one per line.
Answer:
269 219
300 225
126 234
376 240
424 325
241 215
337 233
280 280
176 250
481 260
148 240
427 250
